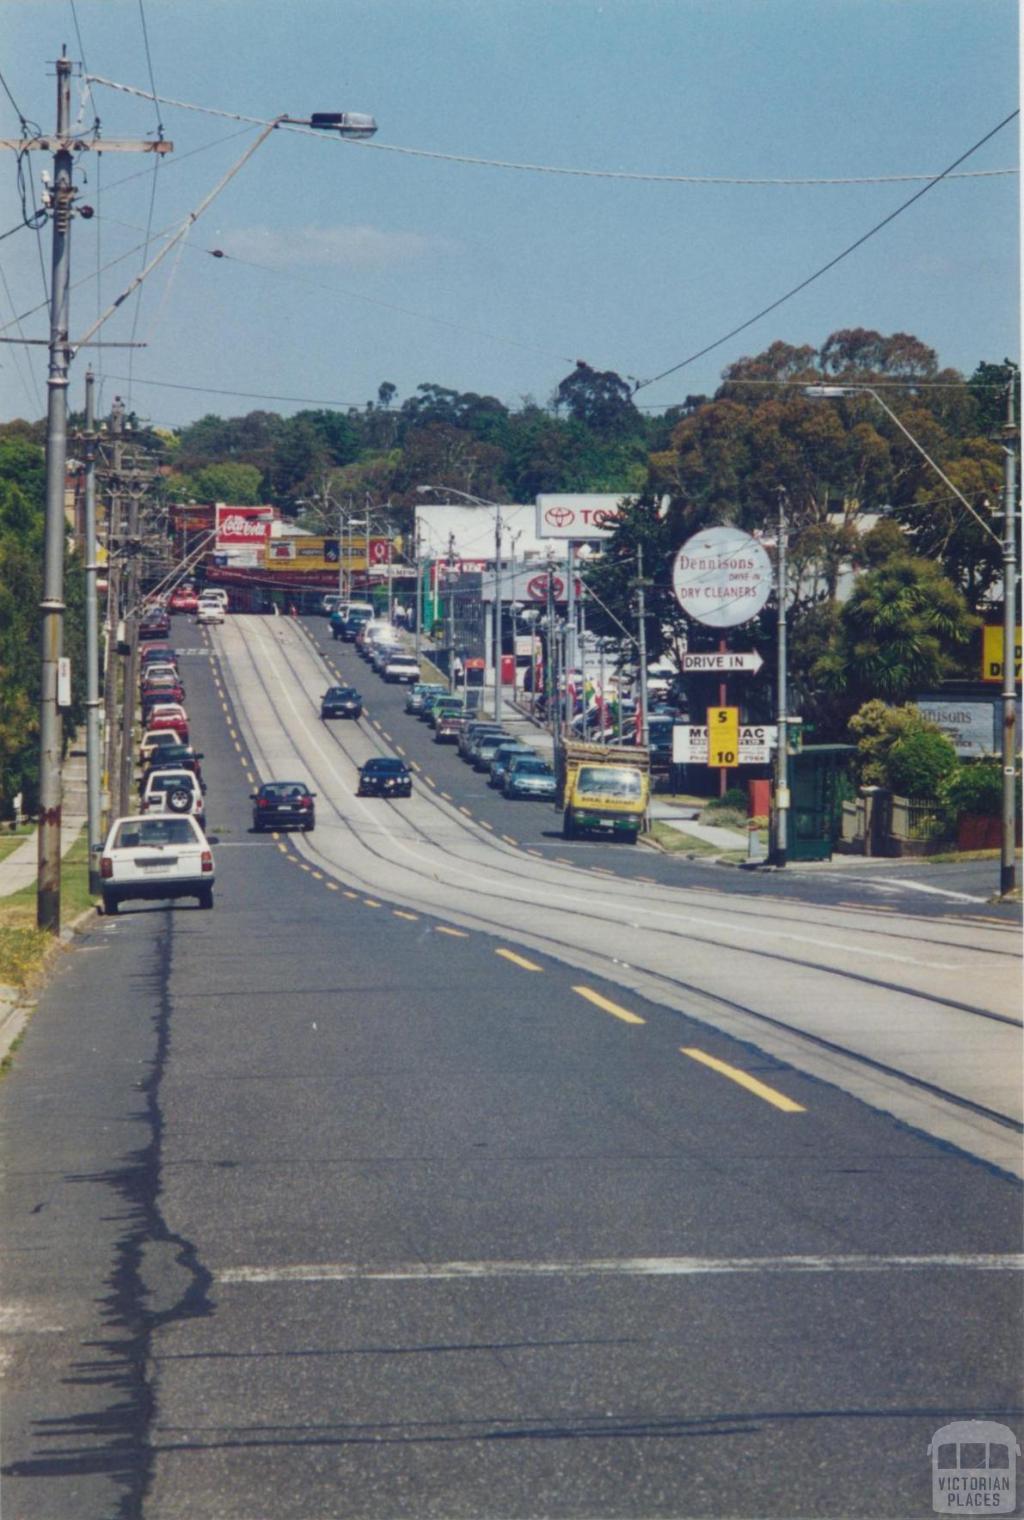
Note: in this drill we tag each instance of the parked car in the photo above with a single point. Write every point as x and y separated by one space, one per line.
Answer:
347 626
209 612
329 603
529 776
485 749
154 669
155 623
448 723
280 804
173 791
403 669
473 730
155 856
174 756
341 702
182 599
154 739
501 757
156 654
418 693
214 594
384 776
170 715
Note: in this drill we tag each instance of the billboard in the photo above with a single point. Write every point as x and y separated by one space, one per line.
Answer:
578 518
242 527
307 552
722 577
530 585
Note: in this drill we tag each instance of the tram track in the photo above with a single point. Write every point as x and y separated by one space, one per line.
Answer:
671 991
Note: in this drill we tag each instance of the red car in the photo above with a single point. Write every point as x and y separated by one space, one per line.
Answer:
169 715
183 599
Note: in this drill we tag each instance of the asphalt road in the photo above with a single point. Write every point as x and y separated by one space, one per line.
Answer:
387 1190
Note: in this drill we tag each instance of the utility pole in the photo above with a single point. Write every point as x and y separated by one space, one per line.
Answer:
781 838
641 643
419 588
497 614
131 672
93 763
1008 854
60 202
450 613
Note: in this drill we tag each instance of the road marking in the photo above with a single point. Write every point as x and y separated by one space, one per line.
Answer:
412 917
509 840
371 902
429 779
608 1006
332 886
517 960
465 810
743 1079
250 778
539 853
919 886
376 724
318 876
415 765
602 871
281 846
399 750
651 881
447 796
561 861
455 933
238 746
485 825
635 1266
386 735
352 895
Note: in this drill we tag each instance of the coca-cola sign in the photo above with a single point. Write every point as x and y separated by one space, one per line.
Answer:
242 525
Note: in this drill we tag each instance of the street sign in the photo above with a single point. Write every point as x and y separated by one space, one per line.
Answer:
756 742
722 577
723 736
723 662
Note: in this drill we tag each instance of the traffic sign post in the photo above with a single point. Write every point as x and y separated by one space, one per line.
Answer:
723 662
755 745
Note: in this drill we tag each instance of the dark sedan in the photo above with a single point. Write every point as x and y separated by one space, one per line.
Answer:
341 702
283 804
384 777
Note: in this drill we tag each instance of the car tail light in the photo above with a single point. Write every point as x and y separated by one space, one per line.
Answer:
305 802
262 802
106 866
207 860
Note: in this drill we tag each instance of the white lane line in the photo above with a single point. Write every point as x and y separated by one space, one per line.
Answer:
630 1266
920 886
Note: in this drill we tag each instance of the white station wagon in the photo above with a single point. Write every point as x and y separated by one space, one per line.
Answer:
156 856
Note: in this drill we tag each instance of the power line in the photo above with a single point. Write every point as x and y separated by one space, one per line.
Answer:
149 66
498 163
945 174
212 390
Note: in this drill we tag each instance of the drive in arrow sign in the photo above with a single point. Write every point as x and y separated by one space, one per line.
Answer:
716 662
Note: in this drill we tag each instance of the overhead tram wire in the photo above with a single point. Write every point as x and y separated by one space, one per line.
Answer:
157 158
34 222
946 173
528 168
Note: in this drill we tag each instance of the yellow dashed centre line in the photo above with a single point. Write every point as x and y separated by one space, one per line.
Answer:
560 860
608 1006
465 810
539 853
447 796
509 840
399 750
412 917
318 876
455 933
743 1079
352 895
250 778
371 902
485 825
518 960
415 765
332 886
282 847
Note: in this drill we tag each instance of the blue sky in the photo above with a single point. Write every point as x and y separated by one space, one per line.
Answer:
380 266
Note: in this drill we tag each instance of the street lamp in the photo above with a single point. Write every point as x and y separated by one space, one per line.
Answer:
1008 863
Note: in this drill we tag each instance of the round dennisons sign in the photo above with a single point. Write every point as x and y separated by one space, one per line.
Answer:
722 577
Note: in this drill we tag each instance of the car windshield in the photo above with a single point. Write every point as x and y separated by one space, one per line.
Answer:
531 768
164 782
608 781
153 831
388 767
283 791
343 693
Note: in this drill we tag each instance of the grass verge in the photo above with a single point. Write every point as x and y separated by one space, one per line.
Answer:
674 842
9 842
23 947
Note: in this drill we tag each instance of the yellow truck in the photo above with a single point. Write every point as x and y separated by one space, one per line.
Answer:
603 789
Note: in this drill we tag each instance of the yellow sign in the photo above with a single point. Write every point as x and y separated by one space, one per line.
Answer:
723 736
992 653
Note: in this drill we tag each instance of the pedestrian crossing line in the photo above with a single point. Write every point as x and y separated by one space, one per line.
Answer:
744 1079
615 1009
412 917
454 933
518 960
